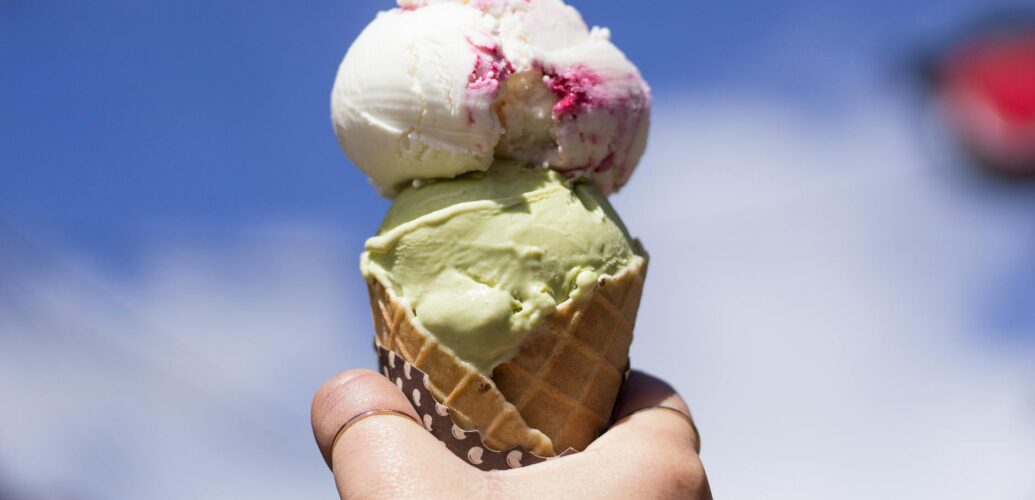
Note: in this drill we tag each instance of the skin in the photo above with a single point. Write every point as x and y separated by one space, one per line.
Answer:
650 454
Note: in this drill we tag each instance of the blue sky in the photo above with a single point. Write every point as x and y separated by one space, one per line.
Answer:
854 310
123 119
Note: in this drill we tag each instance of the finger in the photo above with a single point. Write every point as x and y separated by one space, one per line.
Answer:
642 390
385 454
636 414
346 395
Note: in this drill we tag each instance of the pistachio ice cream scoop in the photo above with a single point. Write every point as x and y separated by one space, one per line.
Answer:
483 257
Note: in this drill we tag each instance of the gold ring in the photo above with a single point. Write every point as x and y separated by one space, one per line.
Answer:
684 416
369 413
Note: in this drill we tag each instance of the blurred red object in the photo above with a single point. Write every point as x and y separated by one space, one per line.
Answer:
987 86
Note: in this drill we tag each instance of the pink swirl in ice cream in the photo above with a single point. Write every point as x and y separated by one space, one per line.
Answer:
438 88
585 103
574 89
491 69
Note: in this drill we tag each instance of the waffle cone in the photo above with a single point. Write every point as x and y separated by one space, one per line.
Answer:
556 393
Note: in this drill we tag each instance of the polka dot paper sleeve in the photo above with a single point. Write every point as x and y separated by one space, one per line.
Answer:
465 444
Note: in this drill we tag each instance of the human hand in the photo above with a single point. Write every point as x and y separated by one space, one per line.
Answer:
646 454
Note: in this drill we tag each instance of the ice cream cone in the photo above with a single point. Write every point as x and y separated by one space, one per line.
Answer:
556 393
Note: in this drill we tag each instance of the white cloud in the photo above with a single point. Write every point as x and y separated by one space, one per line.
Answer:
819 274
189 380
814 271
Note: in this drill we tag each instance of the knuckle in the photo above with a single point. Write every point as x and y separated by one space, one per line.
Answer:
354 378
341 382
679 475
335 392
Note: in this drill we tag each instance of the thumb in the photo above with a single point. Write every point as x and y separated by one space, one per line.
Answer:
383 455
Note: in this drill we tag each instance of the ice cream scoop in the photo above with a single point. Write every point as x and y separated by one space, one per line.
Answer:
483 258
439 88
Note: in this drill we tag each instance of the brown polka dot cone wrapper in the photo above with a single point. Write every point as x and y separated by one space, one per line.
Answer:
466 444
553 398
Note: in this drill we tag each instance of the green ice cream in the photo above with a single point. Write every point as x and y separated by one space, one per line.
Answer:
483 257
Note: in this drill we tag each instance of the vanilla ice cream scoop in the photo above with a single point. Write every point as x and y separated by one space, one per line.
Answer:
438 88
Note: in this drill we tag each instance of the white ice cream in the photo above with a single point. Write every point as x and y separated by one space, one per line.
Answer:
437 88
